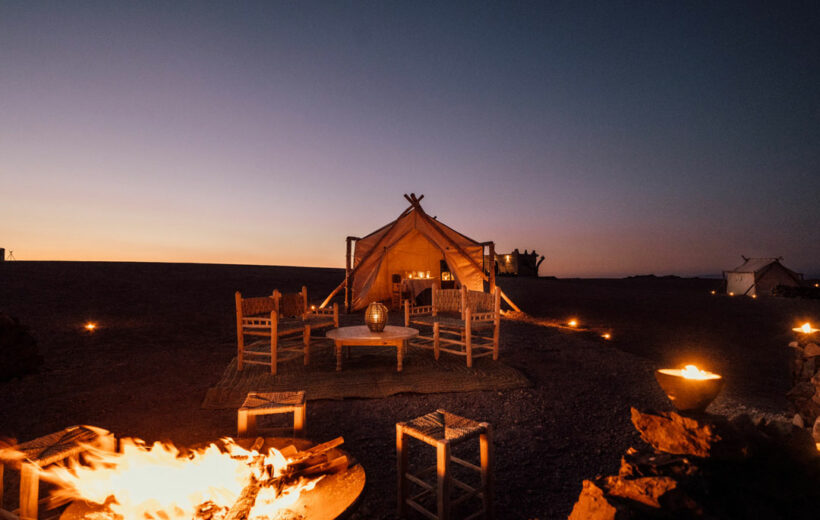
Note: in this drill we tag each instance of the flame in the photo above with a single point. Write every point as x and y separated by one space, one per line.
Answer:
606 335
90 326
151 482
572 323
806 328
693 372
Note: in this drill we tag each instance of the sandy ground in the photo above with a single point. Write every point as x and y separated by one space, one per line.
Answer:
167 332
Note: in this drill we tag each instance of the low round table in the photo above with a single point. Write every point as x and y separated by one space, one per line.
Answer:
360 335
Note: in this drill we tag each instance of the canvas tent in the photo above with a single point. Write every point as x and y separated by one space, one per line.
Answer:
760 276
413 242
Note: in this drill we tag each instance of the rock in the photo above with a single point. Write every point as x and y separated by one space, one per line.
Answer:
804 391
797 420
815 431
593 505
672 433
811 350
794 344
646 490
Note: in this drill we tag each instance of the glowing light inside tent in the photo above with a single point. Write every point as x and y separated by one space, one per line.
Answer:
507 258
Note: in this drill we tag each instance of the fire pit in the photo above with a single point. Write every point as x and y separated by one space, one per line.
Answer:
297 480
689 389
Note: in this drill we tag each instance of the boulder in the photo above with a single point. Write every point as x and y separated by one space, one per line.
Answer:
672 433
811 350
592 504
646 490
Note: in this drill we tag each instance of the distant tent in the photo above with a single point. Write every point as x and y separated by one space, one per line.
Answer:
413 242
760 276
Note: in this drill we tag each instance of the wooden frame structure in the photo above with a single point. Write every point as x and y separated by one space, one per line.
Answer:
468 320
487 274
443 431
31 457
281 318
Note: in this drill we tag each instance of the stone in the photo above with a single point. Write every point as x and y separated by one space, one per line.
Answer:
646 490
796 345
811 350
592 504
801 391
815 431
797 420
672 433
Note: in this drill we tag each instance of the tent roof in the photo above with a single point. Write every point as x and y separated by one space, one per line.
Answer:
754 265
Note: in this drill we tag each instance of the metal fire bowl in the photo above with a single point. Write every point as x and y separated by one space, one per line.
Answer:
335 496
689 395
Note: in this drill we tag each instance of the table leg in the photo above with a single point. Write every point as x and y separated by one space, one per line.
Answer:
338 356
399 354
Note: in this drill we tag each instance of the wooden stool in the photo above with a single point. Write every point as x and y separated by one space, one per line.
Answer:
268 403
444 430
32 456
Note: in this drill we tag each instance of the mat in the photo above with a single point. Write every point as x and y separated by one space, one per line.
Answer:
369 372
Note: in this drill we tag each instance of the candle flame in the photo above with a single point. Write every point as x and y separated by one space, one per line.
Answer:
90 326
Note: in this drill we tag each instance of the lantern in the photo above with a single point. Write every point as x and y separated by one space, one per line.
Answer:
375 317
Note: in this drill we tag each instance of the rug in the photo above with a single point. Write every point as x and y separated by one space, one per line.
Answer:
370 372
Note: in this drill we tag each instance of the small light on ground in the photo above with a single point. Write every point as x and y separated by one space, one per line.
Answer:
90 326
572 323
713 292
754 296
606 335
731 293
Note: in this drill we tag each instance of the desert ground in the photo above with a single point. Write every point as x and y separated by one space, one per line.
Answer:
167 331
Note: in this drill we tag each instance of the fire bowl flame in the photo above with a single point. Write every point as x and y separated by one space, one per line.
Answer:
689 389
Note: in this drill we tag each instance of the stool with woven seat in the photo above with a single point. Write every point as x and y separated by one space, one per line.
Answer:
269 403
32 456
443 431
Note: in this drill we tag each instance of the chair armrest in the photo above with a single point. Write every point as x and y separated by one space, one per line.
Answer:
483 316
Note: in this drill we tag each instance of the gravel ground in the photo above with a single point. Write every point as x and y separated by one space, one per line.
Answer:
167 332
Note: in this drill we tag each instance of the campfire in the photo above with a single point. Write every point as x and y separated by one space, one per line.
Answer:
221 481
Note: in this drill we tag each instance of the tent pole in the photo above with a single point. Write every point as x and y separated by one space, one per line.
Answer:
492 266
349 241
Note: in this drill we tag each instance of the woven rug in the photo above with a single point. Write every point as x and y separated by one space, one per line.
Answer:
370 372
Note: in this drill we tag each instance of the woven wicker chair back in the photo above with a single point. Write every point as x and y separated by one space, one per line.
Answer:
257 306
478 301
448 300
291 305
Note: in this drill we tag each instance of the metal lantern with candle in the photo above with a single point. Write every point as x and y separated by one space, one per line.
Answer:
375 317
690 389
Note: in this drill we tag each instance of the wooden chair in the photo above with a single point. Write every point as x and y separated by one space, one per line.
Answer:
280 320
467 320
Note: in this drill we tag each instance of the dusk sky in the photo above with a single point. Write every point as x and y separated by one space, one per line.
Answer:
614 138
